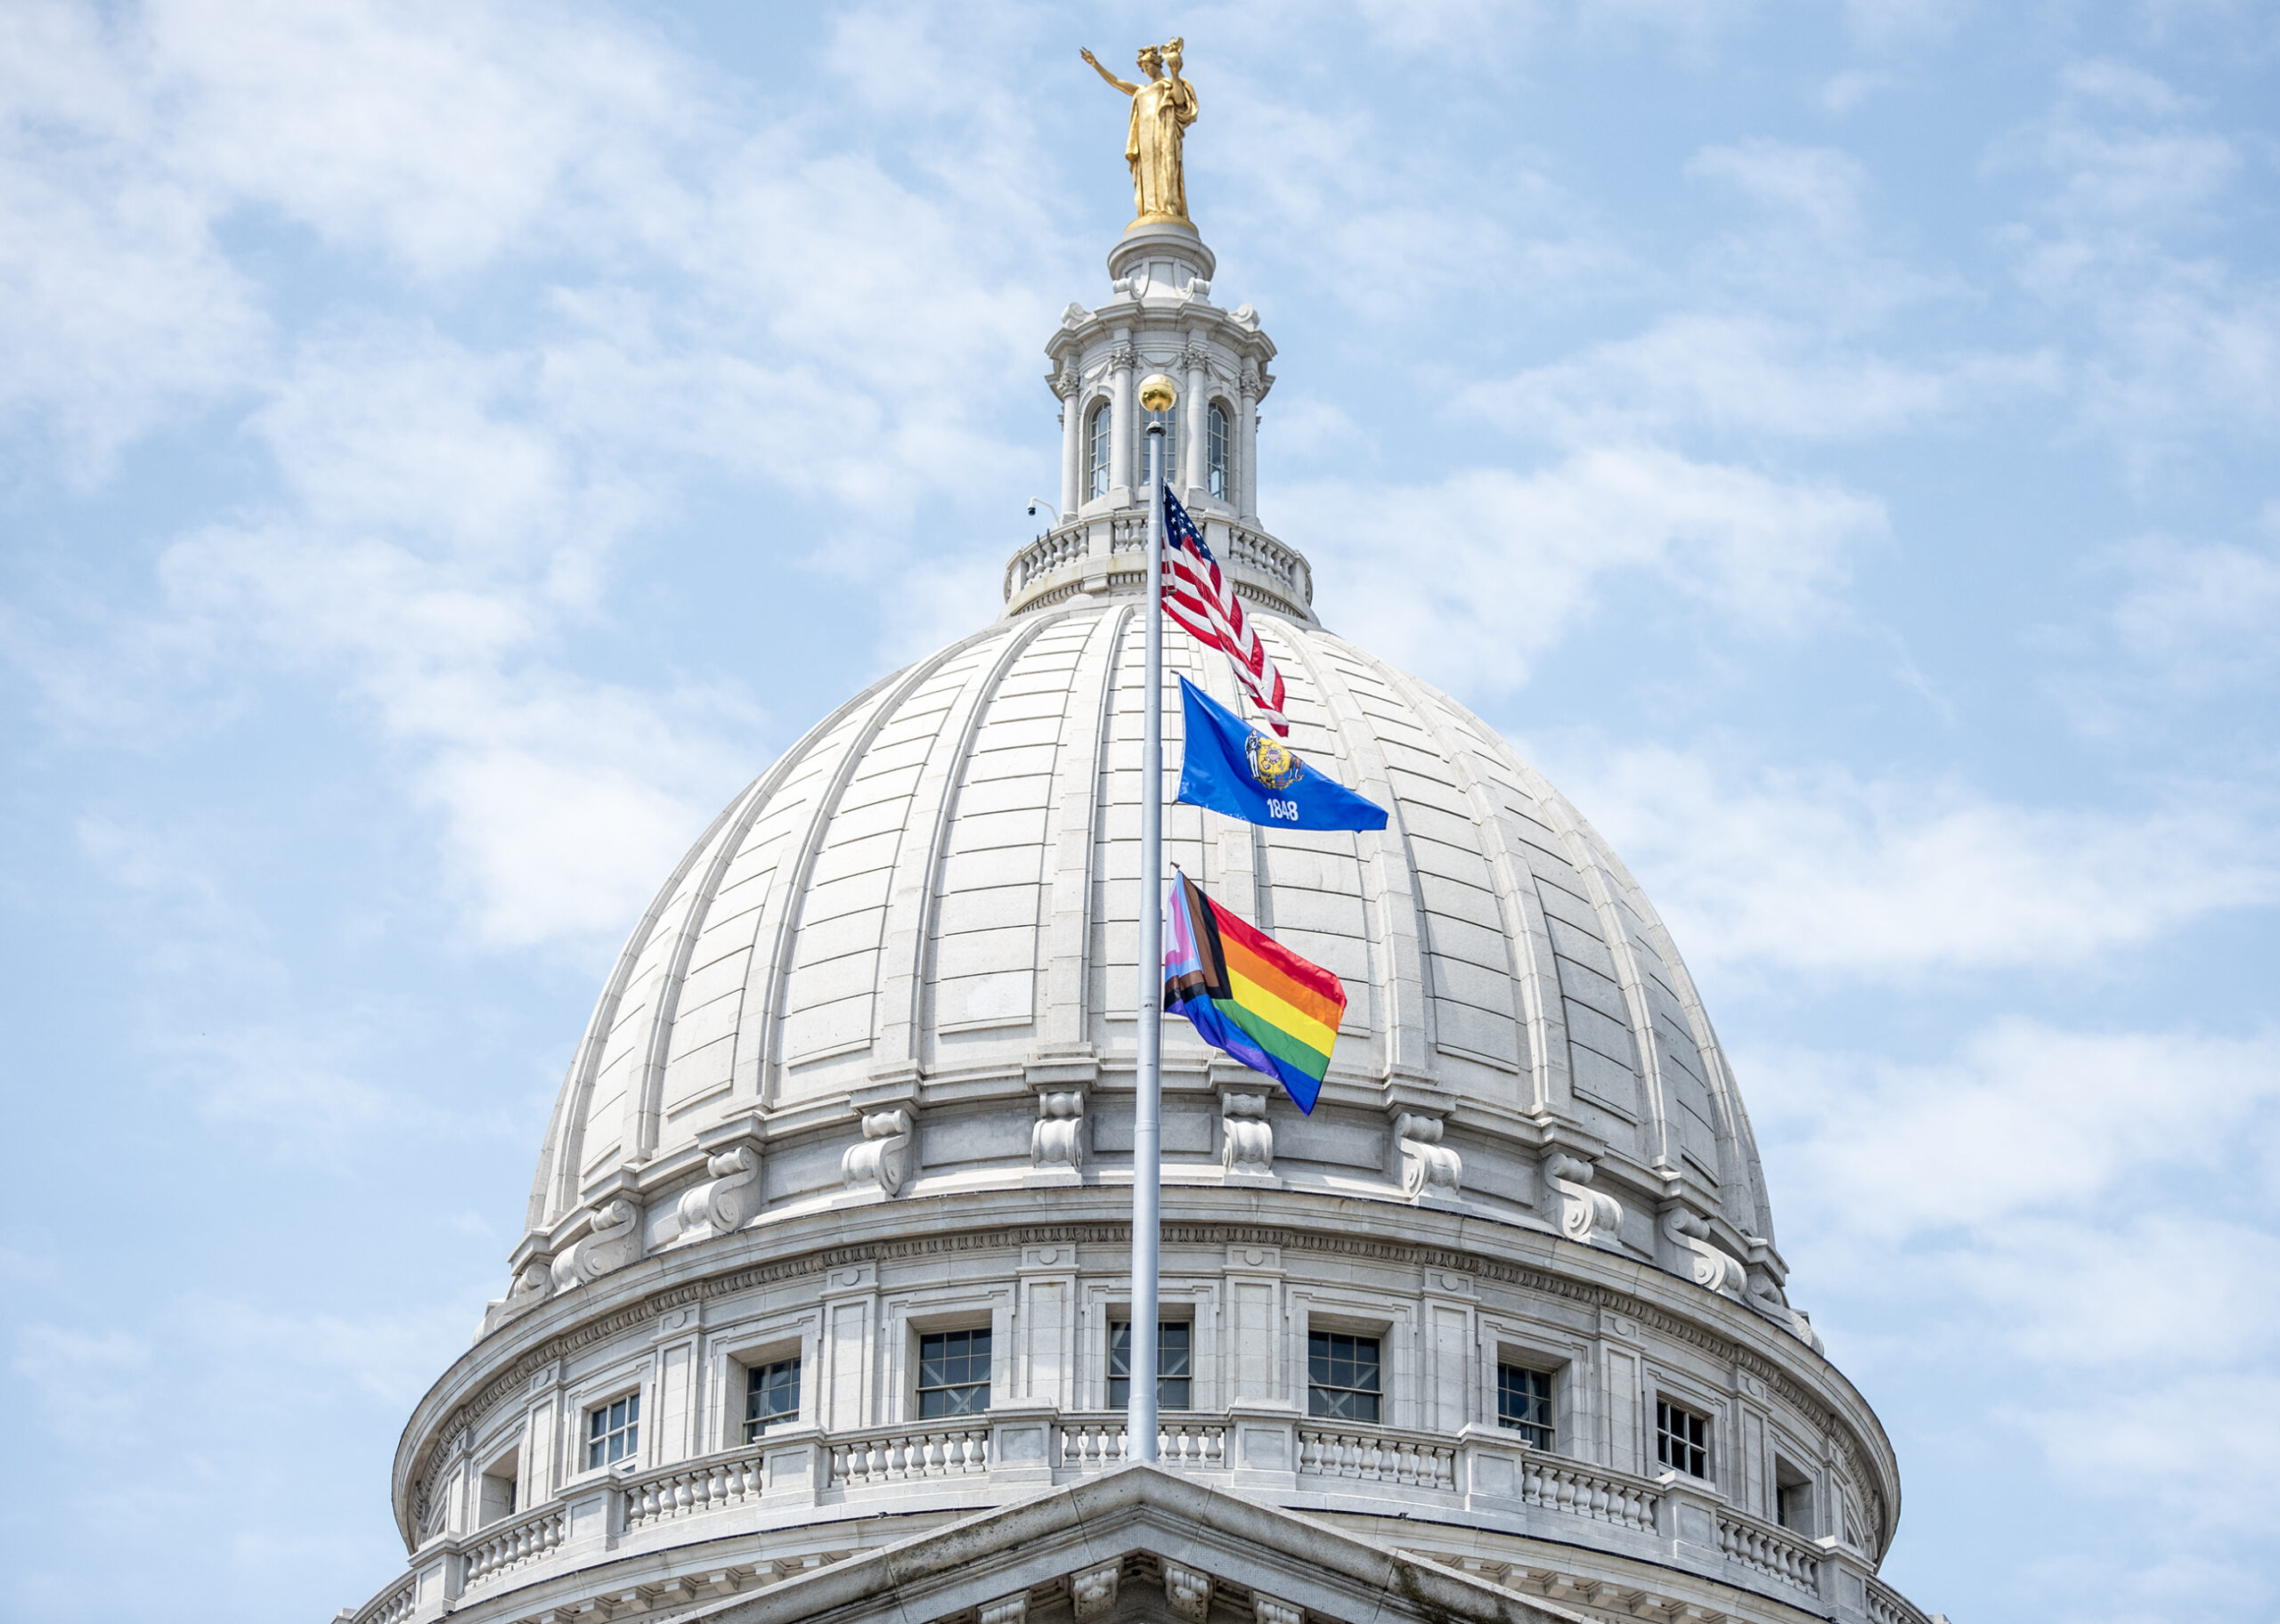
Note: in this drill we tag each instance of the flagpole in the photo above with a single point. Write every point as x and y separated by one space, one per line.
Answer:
1157 395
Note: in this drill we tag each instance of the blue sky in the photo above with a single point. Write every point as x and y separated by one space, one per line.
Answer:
446 450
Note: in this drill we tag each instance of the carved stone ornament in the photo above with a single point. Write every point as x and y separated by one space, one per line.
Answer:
1428 1167
1074 315
1247 1138
1093 1592
1267 1610
1197 289
727 1198
1589 1216
533 1286
1708 1265
1121 358
1797 1322
613 1242
1188 1592
1764 1295
1006 1609
1058 1139
884 1157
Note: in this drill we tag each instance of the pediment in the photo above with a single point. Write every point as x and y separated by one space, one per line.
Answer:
1137 1544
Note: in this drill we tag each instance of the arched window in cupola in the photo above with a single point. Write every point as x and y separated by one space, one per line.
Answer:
1096 453
1216 449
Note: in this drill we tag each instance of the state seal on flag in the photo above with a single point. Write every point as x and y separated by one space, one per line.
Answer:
1272 762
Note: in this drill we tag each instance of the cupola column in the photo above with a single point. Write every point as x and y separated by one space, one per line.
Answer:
1247 444
1120 428
1196 456
1071 389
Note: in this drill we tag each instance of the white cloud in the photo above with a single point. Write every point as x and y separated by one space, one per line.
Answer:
1749 374
441 135
2026 1121
1829 875
90 1386
2072 1215
2200 616
562 799
1819 185
1518 559
1812 244
1841 92
2141 193
116 304
1888 25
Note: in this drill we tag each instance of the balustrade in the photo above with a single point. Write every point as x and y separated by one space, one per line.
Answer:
1095 1441
1264 555
696 1487
527 1540
899 1457
1377 1456
1558 1484
392 1606
1887 1605
1772 1551
1254 555
1044 556
1101 1441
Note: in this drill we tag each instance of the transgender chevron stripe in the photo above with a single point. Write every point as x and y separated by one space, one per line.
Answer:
1247 994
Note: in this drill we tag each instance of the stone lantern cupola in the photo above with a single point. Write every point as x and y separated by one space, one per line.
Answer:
1158 318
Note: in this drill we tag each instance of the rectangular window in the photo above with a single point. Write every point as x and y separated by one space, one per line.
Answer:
1793 1497
1216 424
953 1373
771 1394
497 1492
1174 1387
1343 1376
613 1431
1682 1439
1523 1404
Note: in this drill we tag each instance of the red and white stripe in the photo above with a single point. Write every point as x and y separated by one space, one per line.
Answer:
1202 601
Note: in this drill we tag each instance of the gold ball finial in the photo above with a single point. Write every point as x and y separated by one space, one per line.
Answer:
1157 392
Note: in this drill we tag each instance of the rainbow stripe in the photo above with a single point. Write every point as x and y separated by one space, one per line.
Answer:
1247 994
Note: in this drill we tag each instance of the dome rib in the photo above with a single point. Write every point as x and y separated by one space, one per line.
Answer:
767 1066
1397 978
911 905
1066 1023
558 1161
1734 1130
1527 937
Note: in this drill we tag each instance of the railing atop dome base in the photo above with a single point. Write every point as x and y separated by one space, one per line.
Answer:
789 1477
1103 553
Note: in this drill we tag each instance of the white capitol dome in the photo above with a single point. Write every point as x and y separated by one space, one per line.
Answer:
830 1236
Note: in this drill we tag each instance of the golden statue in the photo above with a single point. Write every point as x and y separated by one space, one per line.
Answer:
1162 108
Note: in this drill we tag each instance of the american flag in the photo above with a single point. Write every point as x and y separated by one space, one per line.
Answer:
1203 604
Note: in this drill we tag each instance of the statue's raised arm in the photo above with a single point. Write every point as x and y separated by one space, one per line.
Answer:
1162 108
1104 73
